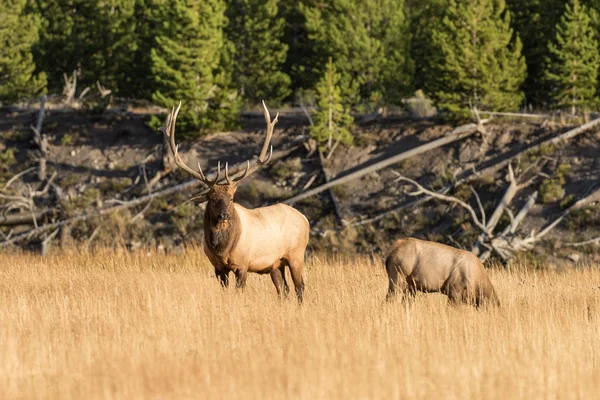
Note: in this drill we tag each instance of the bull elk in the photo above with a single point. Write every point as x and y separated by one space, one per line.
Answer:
417 265
263 240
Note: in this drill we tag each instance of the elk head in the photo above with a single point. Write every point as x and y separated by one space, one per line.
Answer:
219 194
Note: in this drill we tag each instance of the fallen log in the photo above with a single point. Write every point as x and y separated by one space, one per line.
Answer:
471 175
457 134
24 218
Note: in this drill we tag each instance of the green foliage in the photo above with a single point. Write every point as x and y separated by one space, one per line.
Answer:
535 21
552 189
369 41
68 139
96 38
584 217
256 29
18 33
572 68
424 15
7 160
188 63
478 59
333 119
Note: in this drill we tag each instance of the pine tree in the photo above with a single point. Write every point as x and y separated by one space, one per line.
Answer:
423 17
369 41
18 33
333 120
479 59
115 45
572 68
301 53
65 38
535 22
141 84
188 61
95 37
256 28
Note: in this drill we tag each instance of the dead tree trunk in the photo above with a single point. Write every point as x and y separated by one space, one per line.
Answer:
41 140
334 199
457 134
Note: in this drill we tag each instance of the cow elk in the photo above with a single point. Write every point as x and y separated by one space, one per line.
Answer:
417 265
263 240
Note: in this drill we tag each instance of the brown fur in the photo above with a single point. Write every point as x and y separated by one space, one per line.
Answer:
263 240
417 265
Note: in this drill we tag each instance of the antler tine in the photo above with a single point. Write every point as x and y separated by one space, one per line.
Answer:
169 133
200 171
269 135
262 158
229 182
244 174
213 183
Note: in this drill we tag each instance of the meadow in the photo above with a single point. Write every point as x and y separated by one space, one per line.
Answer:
110 324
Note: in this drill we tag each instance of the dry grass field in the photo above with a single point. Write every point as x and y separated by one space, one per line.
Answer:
114 325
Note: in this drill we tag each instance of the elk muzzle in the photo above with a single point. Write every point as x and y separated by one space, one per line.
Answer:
223 216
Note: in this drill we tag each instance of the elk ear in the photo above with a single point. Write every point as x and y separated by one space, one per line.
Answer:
200 198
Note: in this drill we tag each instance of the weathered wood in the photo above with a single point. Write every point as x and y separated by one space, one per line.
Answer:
336 204
457 134
595 241
470 175
41 140
512 227
24 218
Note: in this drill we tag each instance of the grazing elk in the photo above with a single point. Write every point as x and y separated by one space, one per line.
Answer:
263 240
417 265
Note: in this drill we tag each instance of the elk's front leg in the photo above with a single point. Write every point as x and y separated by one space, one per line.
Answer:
223 276
240 278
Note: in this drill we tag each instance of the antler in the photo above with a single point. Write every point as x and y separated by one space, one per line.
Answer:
169 133
263 153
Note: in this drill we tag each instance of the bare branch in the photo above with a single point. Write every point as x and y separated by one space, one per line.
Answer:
481 210
102 90
595 241
444 197
17 176
70 88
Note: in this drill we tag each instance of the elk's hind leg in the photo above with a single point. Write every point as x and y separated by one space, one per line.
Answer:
296 264
278 278
397 282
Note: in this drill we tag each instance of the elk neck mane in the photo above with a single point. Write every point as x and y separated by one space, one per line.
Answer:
222 237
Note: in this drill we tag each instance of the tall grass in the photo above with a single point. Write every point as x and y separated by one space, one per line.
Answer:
114 325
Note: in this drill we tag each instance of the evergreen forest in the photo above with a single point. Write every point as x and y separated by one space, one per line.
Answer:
222 56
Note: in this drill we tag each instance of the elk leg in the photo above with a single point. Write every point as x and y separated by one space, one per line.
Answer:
223 277
397 282
296 265
240 278
278 278
455 288
286 288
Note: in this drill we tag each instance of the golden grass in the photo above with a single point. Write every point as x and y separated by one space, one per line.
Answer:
113 325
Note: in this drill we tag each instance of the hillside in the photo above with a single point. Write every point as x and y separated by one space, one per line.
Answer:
98 159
